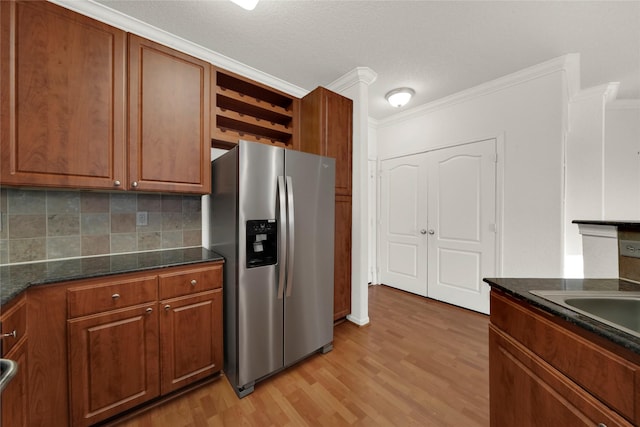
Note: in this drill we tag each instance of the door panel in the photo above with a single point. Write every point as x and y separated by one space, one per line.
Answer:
453 276
403 250
260 312
462 215
458 196
403 259
308 307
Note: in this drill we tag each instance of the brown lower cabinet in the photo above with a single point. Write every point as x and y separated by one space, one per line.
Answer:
342 258
543 373
14 410
103 346
113 360
190 339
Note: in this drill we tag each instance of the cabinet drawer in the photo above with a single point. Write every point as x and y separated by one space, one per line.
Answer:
96 298
602 373
190 281
14 324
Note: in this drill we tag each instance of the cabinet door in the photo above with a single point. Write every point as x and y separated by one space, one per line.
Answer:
338 118
169 139
525 391
62 80
342 259
113 362
14 398
326 122
190 339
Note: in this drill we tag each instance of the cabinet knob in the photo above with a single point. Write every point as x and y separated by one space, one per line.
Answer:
12 334
149 310
167 307
115 296
423 231
194 282
134 184
116 183
431 231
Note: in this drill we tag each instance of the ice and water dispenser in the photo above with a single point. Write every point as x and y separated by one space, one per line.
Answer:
262 242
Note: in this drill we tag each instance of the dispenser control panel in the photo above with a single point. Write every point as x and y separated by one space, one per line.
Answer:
262 242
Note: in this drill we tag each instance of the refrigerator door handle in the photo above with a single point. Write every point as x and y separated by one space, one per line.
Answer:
282 229
290 227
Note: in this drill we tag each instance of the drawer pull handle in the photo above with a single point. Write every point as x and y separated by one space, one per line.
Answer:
12 334
115 296
602 425
194 282
167 307
149 310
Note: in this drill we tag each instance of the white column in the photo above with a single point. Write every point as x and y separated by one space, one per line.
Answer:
584 168
355 85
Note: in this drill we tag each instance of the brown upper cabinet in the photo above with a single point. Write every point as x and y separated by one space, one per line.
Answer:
63 80
169 145
245 109
326 129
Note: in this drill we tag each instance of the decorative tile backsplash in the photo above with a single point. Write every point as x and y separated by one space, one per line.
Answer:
43 225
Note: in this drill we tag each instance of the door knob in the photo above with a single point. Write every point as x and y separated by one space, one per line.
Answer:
431 232
423 231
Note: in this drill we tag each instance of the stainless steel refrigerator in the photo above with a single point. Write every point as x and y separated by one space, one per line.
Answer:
272 218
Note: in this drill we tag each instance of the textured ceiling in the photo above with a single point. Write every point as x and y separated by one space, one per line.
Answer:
436 47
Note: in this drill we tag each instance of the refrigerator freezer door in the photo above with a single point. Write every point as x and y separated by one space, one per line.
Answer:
260 312
308 316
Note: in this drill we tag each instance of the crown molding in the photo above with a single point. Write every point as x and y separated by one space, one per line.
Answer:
624 104
607 92
569 64
127 23
358 75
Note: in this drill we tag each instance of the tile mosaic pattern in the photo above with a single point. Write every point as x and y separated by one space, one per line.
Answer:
38 225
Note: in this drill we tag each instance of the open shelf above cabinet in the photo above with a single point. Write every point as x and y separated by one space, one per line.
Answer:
244 109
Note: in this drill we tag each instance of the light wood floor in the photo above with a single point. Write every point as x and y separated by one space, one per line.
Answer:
418 363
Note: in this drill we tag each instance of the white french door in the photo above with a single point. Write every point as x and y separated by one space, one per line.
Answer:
438 223
462 216
403 249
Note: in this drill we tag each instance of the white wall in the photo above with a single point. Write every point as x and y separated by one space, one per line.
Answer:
622 160
527 112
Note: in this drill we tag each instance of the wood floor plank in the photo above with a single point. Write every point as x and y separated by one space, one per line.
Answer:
419 363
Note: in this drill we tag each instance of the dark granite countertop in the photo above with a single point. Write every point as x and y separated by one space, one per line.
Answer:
622 224
16 278
520 287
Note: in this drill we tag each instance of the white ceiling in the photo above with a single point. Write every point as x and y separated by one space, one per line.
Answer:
436 47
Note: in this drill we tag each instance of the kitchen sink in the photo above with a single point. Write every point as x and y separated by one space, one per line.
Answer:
615 308
8 369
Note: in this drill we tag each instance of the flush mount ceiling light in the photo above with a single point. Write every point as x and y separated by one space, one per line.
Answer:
246 4
399 97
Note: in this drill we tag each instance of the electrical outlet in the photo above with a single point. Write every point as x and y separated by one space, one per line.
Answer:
142 218
629 248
